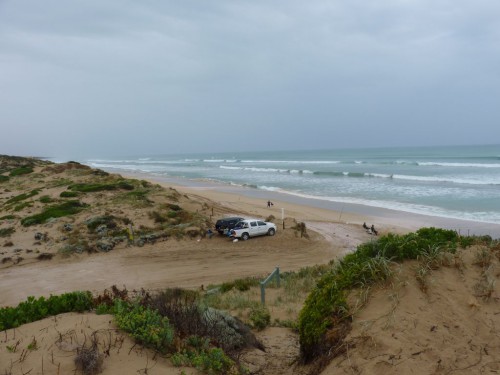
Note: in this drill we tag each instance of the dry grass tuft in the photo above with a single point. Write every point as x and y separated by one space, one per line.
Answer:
88 359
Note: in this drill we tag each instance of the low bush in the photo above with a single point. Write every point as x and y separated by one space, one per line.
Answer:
108 220
158 217
46 199
22 206
5 232
144 325
21 171
4 178
210 360
69 194
240 284
60 210
8 217
35 309
90 188
21 197
260 317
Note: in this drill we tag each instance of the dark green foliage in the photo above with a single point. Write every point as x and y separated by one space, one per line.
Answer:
68 194
8 217
4 178
208 360
108 220
21 197
476 240
158 217
60 210
23 205
173 207
326 307
46 199
5 232
90 188
138 195
260 317
21 171
145 325
35 309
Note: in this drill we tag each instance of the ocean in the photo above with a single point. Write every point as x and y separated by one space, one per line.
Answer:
458 182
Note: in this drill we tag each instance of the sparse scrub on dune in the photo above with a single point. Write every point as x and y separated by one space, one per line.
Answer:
5 232
8 217
325 318
21 171
64 209
69 194
21 197
46 199
22 206
483 257
109 220
95 187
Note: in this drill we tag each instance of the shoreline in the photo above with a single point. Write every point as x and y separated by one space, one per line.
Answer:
308 208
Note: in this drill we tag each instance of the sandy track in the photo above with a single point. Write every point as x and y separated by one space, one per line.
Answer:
187 263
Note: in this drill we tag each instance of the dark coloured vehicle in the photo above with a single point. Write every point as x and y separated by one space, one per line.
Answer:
227 223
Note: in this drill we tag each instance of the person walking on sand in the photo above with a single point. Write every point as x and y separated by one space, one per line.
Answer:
268 204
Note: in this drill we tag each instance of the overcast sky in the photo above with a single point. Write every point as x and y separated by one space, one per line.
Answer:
93 77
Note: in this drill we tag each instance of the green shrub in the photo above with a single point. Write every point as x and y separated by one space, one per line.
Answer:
108 220
138 195
90 188
211 361
22 197
21 171
46 199
260 317
144 325
35 309
240 284
60 210
21 206
5 232
8 217
158 217
4 178
68 194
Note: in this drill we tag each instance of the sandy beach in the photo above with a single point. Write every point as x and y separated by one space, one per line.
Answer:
310 209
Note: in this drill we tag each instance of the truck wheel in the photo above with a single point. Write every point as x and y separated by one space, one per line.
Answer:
271 232
245 236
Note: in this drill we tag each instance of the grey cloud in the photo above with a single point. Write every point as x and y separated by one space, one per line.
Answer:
153 76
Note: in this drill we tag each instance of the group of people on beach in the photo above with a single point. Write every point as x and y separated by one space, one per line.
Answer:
370 230
269 204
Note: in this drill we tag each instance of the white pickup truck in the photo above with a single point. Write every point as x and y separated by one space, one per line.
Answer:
251 228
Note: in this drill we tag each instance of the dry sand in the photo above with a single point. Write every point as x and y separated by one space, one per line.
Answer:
401 329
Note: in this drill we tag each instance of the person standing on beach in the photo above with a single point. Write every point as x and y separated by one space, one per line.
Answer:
268 204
